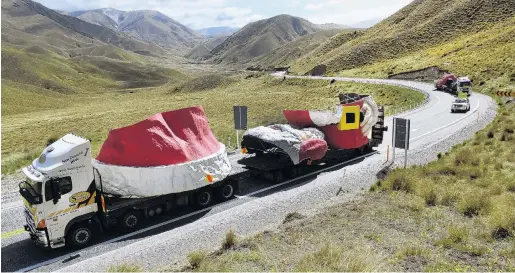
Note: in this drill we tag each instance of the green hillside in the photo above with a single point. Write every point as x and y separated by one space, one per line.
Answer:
285 54
486 56
419 25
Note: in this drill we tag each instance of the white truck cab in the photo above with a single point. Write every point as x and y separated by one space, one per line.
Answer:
464 84
59 191
65 203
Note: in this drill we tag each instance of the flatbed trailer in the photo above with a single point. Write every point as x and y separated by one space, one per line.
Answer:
127 213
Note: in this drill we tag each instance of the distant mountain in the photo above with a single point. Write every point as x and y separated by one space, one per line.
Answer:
146 25
332 26
203 51
217 31
261 37
48 53
295 49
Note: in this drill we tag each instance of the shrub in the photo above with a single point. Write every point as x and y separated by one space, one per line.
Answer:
230 240
450 197
473 204
466 157
400 181
502 217
430 197
124 268
455 235
331 259
196 258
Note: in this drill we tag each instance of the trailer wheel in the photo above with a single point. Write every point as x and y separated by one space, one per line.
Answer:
226 191
79 236
130 220
278 176
203 198
293 172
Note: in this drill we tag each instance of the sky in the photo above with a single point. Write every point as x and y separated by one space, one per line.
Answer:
237 13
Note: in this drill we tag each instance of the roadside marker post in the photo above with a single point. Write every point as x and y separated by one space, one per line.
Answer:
393 141
387 154
240 121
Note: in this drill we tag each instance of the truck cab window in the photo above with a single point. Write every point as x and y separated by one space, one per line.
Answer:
65 185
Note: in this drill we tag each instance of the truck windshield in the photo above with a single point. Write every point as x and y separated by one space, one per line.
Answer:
31 190
465 84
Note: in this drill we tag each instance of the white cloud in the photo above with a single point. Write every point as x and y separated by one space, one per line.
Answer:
326 4
350 12
294 3
194 13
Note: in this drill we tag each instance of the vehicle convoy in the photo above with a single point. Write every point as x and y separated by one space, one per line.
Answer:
460 105
173 159
454 85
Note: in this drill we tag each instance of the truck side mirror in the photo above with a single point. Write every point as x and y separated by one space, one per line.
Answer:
56 190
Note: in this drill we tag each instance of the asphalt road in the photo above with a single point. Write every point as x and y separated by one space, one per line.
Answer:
170 238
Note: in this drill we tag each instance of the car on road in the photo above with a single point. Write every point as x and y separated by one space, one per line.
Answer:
460 105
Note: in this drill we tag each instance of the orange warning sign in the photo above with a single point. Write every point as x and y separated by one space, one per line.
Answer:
209 178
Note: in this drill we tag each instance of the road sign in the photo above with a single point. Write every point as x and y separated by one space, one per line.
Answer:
402 133
505 94
240 117
401 136
240 121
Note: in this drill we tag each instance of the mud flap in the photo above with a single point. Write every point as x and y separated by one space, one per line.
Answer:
379 128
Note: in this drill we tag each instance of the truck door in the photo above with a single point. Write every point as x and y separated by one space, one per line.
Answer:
57 204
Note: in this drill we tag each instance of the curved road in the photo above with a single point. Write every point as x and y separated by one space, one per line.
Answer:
263 206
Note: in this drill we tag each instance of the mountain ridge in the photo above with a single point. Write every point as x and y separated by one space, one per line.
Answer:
261 37
150 26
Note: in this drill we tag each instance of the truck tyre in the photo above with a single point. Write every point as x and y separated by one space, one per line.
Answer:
203 198
226 191
278 176
129 221
79 236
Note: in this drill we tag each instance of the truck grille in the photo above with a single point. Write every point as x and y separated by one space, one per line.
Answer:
30 221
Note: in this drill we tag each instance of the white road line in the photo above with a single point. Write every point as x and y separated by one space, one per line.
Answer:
445 126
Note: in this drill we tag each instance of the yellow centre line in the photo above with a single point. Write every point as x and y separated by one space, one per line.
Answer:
12 233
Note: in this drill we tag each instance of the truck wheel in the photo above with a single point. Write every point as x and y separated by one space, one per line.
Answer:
79 236
226 191
362 150
203 198
130 220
